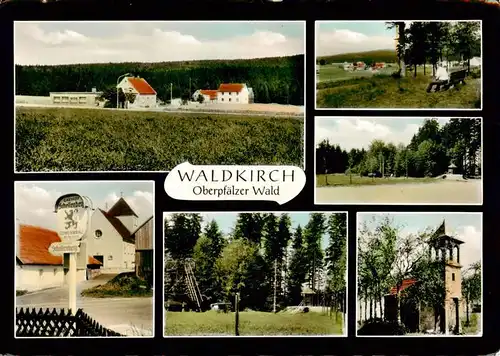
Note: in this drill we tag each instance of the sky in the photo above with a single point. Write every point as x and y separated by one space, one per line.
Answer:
464 226
50 43
227 221
347 37
349 132
35 200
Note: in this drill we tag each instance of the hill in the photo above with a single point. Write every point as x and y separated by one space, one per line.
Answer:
274 80
385 55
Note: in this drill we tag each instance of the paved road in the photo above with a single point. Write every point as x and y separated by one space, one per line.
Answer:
129 316
442 192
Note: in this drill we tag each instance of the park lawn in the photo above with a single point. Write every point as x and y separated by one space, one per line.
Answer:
211 323
76 139
344 180
384 91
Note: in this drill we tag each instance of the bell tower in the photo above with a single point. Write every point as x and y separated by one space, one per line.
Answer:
446 248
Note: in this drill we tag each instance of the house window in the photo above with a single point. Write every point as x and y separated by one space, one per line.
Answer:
55 271
229 99
65 99
237 100
40 273
110 258
222 99
98 234
453 276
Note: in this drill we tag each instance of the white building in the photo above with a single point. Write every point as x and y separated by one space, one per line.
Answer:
36 267
91 98
139 93
208 95
110 238
235 94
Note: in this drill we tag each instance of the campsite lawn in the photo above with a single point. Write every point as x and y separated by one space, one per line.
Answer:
335 72
384 91
75 139
324 180
211 323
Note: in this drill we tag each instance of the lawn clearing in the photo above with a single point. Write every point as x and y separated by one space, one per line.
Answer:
212 323
384 91
123 285
323 180
77 139
336 72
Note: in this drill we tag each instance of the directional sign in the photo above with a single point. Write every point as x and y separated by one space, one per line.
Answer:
60 248
72 217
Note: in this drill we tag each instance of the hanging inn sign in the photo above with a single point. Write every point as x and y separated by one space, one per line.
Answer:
72 218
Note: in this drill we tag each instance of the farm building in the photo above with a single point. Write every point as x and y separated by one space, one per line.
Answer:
208 95
143 237
91 98
138 93
110 239
235 94
37 268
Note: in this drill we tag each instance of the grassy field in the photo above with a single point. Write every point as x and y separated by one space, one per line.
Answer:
384 91
335 72
324 180
212 323
62 139
123 285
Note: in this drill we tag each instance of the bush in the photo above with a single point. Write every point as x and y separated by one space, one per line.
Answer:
377 326
123 285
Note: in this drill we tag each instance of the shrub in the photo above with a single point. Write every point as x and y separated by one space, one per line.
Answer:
377 326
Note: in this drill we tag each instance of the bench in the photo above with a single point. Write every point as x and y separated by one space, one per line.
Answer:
455 78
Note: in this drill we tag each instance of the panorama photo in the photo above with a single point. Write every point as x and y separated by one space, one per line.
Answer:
147 96
398 65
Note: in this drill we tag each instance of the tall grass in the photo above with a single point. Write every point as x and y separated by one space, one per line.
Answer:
60 139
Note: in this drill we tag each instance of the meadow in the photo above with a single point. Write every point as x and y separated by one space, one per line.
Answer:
335 72
77 139
324 180
252 323
385 91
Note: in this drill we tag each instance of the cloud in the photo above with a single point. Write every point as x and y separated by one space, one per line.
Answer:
360 132
135 43
470 251
35 205
346 41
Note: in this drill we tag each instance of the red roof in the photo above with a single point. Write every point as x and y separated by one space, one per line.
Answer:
211 93
141 86
34 245
231 88
406 283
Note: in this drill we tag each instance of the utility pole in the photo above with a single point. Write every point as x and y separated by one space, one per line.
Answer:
171 93
275 275
189 88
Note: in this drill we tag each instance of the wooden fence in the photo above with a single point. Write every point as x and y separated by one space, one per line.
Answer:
57 323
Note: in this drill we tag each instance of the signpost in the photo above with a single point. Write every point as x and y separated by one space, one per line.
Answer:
72 224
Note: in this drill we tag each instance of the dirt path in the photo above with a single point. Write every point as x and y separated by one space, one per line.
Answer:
442 192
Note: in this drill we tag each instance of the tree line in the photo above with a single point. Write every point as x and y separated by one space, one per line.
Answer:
421 43
369 57
386 258
264 259
274 80
428 154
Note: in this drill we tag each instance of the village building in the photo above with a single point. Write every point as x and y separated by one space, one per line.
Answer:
208 95
138 93
110 239
235 94
143 237
91 98
37 268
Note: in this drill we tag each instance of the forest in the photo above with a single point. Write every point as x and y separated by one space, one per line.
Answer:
428 154
278 80
369 57
263 259
387 257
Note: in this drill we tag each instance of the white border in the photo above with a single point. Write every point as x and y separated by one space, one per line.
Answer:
319 22
16 183
215 113
358 214
318 118
346 314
